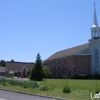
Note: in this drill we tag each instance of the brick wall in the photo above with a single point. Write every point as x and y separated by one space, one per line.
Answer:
69 66
59 67
82 65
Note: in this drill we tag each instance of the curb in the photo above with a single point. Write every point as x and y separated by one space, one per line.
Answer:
33 94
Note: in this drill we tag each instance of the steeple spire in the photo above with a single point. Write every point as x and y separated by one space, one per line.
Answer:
95 17
95 29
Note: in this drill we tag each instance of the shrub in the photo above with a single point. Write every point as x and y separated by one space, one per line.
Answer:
4 84
97 76
97 91
19 83
34 84
43 88
3 80
66 90
11 75
26 84
52 87
12 82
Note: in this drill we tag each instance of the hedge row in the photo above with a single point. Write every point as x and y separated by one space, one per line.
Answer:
22 83
97 76
29 84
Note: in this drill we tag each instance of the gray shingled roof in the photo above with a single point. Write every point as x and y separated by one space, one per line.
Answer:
68 52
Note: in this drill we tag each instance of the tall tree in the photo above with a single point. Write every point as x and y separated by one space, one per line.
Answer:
37 71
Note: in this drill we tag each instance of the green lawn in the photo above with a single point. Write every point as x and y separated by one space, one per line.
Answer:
80 89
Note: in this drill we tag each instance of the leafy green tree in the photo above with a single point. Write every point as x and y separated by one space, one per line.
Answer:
3 63
37 71
46 71
12 60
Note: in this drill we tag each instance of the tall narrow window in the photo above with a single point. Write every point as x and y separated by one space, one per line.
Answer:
58 70
96 62
63 70
54 71
59 62
50 63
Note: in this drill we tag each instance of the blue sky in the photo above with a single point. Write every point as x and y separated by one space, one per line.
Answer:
45 26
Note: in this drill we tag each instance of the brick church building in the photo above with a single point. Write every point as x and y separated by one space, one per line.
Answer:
19 69
79 60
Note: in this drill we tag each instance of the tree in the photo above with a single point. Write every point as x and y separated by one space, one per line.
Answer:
46 71
12 60
3 63
37 71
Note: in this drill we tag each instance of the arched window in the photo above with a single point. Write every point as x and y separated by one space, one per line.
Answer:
96 62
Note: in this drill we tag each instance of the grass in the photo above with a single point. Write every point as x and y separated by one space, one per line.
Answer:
80 89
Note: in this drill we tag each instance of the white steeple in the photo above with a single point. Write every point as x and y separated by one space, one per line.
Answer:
95 18
95 30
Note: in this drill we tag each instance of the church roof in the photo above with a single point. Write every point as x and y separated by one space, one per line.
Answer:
68 52
17 66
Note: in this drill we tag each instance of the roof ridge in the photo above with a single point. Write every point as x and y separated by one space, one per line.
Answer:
21 62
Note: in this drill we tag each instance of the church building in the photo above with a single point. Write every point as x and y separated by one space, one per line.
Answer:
19 69
79 60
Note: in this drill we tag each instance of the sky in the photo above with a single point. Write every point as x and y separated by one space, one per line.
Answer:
28 27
